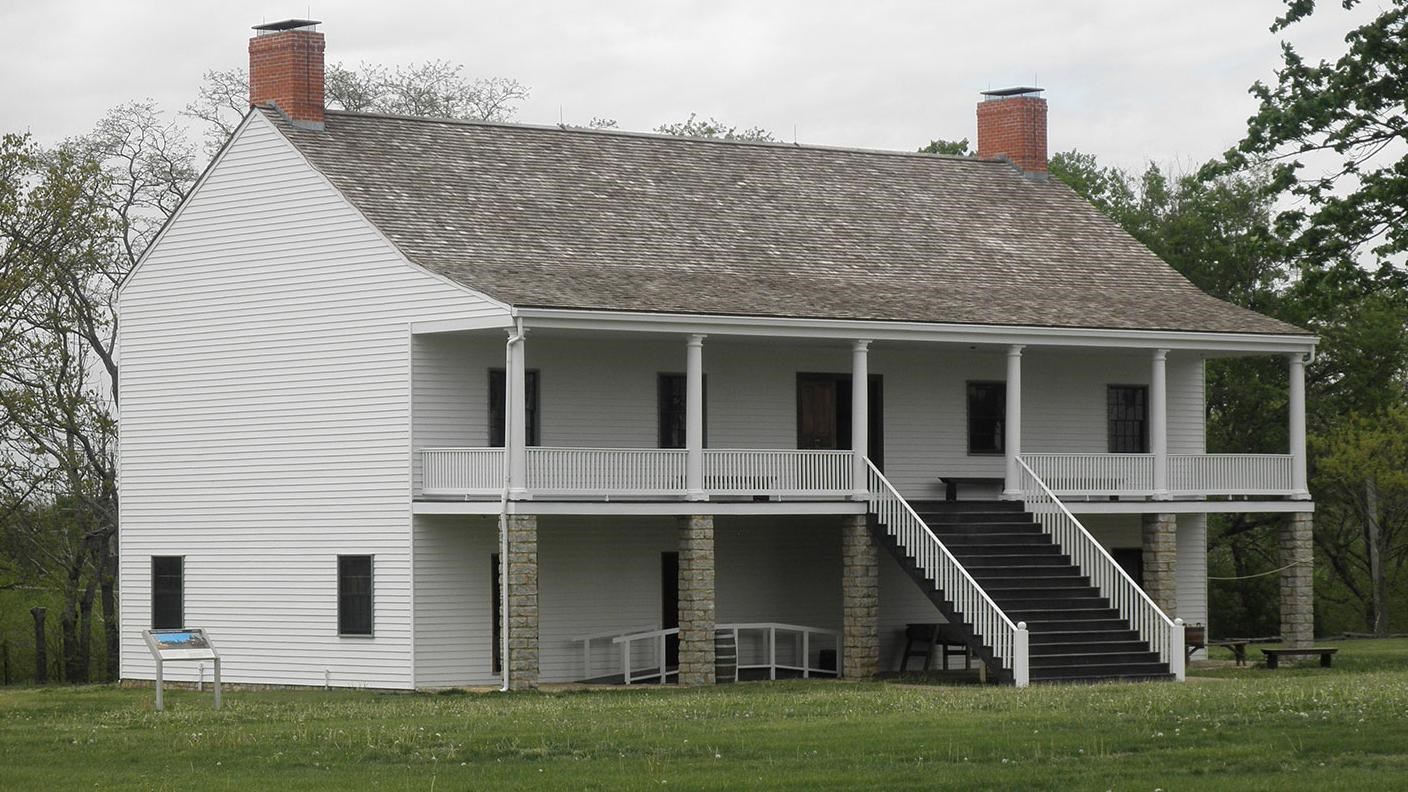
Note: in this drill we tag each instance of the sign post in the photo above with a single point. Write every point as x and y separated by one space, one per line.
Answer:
180 645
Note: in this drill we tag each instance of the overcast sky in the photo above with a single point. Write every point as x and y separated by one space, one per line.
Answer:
1128 80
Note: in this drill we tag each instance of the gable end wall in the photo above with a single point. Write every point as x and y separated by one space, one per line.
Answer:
265 421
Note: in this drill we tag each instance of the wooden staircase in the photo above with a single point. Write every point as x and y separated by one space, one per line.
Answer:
1075 634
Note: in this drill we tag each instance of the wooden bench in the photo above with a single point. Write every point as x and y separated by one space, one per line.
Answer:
951 484
1195 637
1237 646
1273 656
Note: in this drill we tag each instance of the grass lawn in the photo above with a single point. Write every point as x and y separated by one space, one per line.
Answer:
1247 729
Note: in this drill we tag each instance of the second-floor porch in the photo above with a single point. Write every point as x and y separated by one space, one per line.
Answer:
561 414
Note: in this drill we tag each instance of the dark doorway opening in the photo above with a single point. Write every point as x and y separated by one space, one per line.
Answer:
670 605
497 599
824 414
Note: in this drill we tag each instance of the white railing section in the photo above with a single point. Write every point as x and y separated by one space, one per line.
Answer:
801 643
657 640
1163 634
1094 475
606 471
462 471
1230 474
739 471
1007 641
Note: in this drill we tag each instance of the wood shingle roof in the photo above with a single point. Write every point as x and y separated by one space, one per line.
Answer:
567 218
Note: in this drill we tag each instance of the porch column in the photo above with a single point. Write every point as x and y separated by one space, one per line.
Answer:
1158 422
515 410
696 598
1161 561
694 419
860 418
1297 556
521 619
860 599
1299 489
1012 440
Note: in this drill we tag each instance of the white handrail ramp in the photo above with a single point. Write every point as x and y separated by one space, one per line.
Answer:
1164 635
1007 641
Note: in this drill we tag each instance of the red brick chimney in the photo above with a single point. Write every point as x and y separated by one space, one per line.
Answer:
286 68
1012 124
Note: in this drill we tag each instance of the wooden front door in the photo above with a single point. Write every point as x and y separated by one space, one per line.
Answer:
816 411
824 414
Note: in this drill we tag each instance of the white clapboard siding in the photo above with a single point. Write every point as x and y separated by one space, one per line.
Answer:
454 597
265 421
1191 568
600 391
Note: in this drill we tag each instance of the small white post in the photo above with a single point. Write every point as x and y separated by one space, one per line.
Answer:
1021 657
200 678
694 419
1012 440
160 701
1177 652
1158 422
516 429
217 683
626 661
860 418
1300 490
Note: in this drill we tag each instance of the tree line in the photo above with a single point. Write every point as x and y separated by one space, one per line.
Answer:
1302 220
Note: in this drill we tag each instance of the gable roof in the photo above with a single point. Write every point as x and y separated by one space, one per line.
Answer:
567 218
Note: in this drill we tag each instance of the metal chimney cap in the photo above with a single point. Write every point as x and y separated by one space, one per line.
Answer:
287 24
1004 93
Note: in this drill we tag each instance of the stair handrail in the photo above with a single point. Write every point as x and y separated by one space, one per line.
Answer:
1163 634
1007 640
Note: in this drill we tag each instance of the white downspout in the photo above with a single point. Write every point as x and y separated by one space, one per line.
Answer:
509 395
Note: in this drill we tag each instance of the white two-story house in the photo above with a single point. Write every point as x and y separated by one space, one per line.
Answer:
416 403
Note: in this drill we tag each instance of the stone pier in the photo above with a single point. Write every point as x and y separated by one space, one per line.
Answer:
1297 554
860 599
522 571
697 596
1161 561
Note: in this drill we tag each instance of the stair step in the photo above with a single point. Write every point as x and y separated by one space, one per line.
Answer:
1012 592
1096 645
1039 615
1101 671
922 506
1064 629
1092 660
1083 680
1064 583
937 518
1017 551
999 537
1045 571
1039 637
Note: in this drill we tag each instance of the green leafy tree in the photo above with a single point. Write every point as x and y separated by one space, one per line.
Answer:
1348 112
948 148
714 128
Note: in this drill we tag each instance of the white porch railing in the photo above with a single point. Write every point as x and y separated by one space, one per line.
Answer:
779 472
640 472
606 471
1230 474
1163 635
462 471
1007 641
1095 474
643 650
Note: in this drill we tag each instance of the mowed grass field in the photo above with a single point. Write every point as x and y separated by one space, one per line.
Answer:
1243 729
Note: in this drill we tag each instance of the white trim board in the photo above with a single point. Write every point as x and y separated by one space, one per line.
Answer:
848 329
642 508
1190 507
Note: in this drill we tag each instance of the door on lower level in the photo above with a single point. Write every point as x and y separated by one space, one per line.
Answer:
824 414
670 605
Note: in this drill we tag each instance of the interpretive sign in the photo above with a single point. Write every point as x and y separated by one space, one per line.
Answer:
178 645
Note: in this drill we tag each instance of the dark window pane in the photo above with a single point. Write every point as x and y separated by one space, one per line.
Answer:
497 416
987 417
354 595
168 593
496 596
672 397
1128 419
